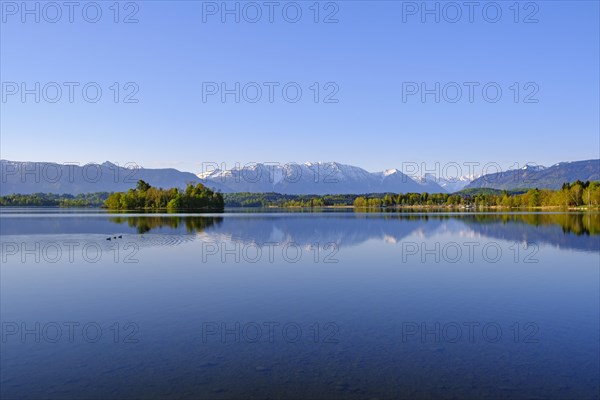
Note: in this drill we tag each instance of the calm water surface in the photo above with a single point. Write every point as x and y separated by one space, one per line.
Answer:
299 305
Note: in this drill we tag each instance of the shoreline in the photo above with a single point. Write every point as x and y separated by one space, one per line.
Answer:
340 207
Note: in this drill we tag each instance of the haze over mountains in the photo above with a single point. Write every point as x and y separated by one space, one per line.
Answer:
308 178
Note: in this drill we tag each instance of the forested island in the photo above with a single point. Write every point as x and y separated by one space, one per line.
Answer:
146 197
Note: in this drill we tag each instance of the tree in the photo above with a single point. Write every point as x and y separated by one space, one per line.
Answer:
360 202
591 194
388 200
576 194
142 186
114 201
533 198
506 200
175 203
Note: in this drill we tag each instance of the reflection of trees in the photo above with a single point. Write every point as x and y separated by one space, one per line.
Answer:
578 224
144 224
571 230
575 223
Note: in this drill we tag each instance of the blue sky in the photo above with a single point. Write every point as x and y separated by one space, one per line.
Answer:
371 56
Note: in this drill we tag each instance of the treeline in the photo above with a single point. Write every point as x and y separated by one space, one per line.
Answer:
146 197
286 200
199 197
54 200
577 194
429 200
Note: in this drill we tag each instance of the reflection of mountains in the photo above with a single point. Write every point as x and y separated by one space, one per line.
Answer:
571 231
304 230
575 231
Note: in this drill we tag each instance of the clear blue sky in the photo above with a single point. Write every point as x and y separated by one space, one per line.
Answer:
368 53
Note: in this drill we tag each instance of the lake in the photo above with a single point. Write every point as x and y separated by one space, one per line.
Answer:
299 305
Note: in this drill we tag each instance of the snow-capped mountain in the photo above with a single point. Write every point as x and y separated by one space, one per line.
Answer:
449 184
315 178
534 167
391 179
308 178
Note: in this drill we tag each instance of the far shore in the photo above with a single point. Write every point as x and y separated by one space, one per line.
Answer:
431 208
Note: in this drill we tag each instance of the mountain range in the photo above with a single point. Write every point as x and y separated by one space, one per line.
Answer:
309 178
540 177
317 178
45 177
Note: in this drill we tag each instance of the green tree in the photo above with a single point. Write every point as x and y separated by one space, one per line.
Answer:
142 186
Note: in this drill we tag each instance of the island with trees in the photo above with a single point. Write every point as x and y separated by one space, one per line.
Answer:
146 197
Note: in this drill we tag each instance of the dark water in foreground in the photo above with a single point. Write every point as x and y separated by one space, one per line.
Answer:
321 305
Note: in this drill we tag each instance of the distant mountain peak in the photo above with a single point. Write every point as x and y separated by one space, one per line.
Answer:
534 167
391 171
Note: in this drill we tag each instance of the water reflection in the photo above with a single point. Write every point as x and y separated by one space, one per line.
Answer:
179 286
579 231
144 224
